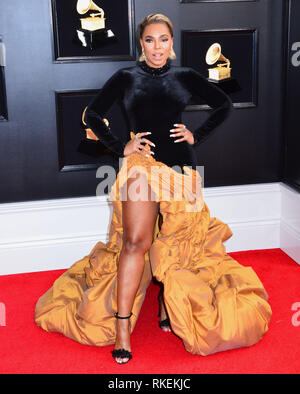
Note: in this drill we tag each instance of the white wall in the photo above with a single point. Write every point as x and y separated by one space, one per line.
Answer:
53 234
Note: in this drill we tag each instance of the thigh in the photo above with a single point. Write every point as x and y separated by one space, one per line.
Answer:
139 216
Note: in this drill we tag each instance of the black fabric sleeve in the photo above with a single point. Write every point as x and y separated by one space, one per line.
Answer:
97 108
219 101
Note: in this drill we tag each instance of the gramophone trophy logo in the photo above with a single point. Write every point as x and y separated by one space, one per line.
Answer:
222 73
90 144
89 134
93 32
222 70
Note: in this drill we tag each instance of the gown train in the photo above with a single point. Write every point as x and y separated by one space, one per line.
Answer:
213 302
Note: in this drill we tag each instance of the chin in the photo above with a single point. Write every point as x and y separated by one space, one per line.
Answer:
158 61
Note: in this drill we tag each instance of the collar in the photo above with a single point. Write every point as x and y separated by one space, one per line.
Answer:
153 70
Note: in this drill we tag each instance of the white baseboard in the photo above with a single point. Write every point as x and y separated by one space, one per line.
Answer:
290 222
251 211
53 234
50 234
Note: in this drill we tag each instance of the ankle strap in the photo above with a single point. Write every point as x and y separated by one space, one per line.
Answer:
122 317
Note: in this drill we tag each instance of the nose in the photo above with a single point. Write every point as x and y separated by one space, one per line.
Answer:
157 44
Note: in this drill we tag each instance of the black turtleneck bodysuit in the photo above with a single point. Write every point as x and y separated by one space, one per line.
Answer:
153 100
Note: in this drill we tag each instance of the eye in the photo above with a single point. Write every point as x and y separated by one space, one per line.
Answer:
148 40
165 39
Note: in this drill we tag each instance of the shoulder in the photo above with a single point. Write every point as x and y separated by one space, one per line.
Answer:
125 72
198 84
185 71
188 75
119 78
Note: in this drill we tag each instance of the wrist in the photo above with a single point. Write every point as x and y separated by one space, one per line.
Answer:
196 139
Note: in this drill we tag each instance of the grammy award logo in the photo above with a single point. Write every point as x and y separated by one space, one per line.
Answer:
89 134
93 32
222 70
93 22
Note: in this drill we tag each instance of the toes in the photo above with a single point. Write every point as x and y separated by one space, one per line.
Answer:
121 360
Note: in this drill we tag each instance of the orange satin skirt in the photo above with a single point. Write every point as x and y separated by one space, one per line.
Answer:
213 302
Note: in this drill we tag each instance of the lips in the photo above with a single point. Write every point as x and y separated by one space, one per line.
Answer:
157 55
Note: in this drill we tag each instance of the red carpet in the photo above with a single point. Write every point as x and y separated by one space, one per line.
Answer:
26 348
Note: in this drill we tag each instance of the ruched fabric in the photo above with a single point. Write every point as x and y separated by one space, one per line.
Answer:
213 302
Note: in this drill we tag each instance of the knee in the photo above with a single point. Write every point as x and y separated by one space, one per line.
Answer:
136 244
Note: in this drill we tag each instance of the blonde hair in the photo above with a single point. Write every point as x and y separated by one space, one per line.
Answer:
155 18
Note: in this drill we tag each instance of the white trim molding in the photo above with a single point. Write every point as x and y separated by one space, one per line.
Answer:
53 234
290 222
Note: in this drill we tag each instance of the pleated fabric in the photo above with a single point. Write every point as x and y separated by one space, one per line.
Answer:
213 302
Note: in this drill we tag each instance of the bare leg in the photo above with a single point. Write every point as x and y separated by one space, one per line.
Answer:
138 224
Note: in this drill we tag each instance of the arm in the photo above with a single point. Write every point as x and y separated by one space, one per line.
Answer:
220 103
95 112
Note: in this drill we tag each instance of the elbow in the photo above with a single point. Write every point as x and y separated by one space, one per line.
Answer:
223 107
228 105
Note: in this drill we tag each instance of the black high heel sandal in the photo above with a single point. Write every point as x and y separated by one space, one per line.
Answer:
165 322
121 353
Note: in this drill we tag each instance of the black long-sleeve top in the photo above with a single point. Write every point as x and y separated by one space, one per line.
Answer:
153 100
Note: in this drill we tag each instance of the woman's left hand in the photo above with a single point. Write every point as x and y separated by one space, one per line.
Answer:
180 130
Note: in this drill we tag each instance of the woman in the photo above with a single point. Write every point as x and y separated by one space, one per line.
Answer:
80 304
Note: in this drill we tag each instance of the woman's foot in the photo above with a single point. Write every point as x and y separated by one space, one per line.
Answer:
164 322
122 342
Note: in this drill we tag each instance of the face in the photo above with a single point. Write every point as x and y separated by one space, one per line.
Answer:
157 43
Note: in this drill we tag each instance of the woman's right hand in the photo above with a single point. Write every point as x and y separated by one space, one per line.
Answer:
134 145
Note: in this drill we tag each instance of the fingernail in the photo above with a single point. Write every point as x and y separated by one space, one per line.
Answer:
147 155
175 124
172 130
176 141
149 132
152 153
172 135
153 144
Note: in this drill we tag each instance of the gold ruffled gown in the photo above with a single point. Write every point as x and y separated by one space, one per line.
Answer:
213 302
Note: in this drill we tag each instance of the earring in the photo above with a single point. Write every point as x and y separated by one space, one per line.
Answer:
143 56
172 54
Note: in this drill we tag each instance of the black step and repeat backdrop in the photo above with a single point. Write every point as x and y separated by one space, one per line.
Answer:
48 75
291 129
